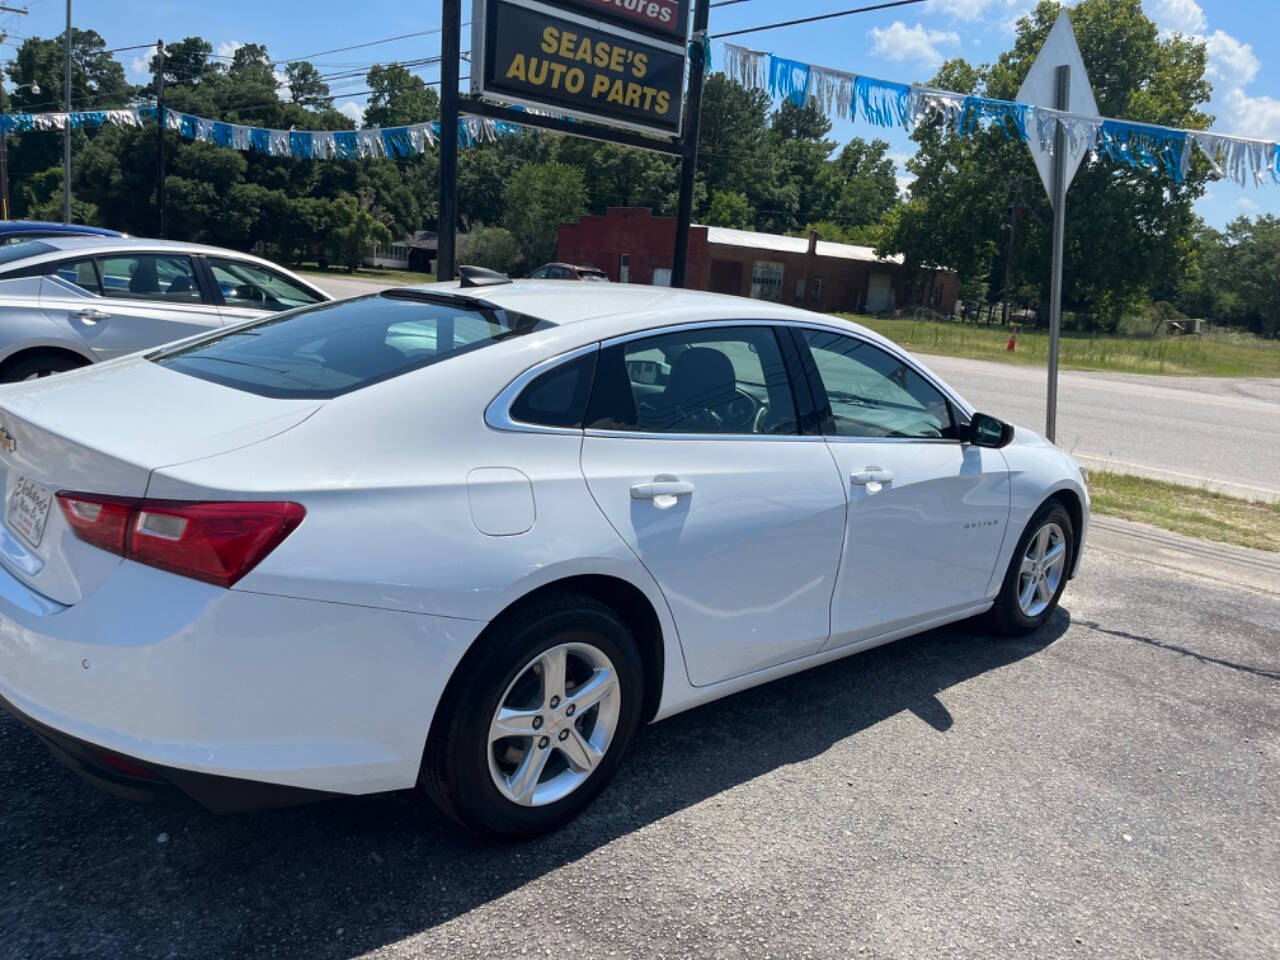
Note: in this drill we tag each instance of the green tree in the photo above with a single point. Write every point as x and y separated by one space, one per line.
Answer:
1125 228
353 231
495 248
730 209
306 87
398 97
860 184
539 197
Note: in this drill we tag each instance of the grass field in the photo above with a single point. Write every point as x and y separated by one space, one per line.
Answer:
1191 511
385 276
1219 355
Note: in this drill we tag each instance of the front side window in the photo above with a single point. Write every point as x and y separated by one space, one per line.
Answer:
336 347
257 288
718 380
874 394
150 276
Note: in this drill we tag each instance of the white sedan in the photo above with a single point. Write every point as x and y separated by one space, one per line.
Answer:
469 536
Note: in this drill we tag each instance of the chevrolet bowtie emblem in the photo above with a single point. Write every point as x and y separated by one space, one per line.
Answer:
8 440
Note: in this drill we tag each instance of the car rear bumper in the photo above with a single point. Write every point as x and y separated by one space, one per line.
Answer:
161 688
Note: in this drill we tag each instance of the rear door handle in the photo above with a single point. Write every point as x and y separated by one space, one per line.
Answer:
656 489
92 315
871 475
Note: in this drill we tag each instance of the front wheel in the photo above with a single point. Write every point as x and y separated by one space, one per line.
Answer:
536 719
1037 573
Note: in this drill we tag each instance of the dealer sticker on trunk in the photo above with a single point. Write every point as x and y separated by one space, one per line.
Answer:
29 505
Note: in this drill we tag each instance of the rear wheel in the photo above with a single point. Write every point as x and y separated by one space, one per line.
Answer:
1037 573
35 366
537 718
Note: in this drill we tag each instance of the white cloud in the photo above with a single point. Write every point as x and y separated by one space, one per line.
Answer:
1177 16
228 48
1247 204
1230 61
904 184
138 68
900 42
960 9
354 111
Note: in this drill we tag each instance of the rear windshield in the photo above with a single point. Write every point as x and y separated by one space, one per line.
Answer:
11 252
333 348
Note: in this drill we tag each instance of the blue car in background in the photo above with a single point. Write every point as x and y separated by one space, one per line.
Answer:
16 231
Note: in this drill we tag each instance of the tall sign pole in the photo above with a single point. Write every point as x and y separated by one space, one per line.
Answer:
689 162
446 232
163 123
66 131
1063 98
1058 81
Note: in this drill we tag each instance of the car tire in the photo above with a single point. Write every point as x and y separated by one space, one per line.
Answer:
36 365
1033 584
475 778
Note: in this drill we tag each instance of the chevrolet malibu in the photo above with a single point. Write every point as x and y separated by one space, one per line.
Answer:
469 536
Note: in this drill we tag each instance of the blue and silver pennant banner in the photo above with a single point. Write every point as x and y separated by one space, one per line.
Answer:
883 103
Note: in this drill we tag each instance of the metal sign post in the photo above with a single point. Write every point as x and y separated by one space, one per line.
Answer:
1057 80
689 162
447 225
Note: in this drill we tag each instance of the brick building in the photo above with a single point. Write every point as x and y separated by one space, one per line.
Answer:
633 246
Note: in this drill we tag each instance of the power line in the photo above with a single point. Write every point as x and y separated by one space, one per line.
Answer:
814 19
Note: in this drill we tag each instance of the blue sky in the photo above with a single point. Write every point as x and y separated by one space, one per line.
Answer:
905 44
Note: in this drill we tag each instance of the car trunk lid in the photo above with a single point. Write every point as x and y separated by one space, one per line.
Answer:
104 430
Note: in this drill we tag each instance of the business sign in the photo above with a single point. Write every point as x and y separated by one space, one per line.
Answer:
668 19
537 55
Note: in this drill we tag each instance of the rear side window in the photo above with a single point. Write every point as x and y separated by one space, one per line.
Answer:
82 273
557 398
333 348
149 276
725 380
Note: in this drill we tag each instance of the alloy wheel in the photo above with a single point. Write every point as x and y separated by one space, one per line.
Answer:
554 724
1042 569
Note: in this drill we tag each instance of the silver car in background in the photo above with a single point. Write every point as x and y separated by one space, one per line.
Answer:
67 302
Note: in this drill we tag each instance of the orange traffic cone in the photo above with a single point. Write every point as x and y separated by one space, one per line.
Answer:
1013 341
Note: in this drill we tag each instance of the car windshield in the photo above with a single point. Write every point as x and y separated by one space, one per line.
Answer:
13 252
333 348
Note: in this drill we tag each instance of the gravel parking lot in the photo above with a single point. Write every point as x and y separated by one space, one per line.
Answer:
1107 788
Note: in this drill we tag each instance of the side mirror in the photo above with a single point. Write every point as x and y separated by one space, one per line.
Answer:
987 431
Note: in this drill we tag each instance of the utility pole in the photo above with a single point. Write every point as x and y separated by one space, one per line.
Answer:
1014 211
4 131
692 124
1059 228
447 227
66 131
160 141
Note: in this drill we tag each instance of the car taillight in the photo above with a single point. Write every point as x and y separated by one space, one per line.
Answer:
215 542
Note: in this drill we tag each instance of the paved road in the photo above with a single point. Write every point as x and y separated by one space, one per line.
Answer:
1104 789
1220 432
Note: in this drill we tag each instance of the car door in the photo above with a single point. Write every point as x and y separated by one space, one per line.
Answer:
692 451
248 290
927 513
121 303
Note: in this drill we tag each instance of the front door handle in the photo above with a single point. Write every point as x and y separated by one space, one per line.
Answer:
92 315
661 488
871 475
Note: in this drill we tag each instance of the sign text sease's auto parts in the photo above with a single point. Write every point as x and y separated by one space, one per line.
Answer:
579 66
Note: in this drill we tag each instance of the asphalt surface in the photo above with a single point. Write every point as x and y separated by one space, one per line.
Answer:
1106 788
1223 433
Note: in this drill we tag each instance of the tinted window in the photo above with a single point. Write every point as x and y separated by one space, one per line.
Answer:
334 348
712 380
12 252
249 285
150 276
874 394
557 398
82 273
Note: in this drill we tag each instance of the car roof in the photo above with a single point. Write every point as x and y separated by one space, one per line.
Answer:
70 229
623 307
89 244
